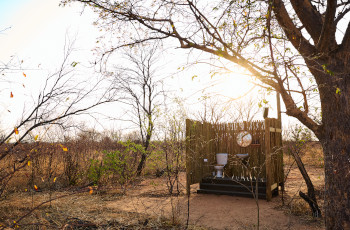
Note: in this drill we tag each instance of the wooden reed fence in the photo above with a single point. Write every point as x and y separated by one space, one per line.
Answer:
204 140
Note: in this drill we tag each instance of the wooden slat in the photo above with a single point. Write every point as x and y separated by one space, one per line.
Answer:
203 141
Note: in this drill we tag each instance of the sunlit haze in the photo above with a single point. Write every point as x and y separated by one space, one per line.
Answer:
35 31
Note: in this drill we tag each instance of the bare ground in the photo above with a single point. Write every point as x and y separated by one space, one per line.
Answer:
147 205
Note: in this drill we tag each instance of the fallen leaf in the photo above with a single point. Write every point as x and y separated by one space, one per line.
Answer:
64 148
91 190
36 137
25 75
16 131
35 187
11 95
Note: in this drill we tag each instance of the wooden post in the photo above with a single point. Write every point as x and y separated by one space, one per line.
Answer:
278 107
268 159
188 170
280 153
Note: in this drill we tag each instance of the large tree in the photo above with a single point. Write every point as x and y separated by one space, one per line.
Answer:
142 91
282 43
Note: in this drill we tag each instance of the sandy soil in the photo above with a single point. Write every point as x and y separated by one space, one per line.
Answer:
150 199
212 211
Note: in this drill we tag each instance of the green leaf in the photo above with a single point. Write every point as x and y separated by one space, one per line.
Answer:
338 91
74 64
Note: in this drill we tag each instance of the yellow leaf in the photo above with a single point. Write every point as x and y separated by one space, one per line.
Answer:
35 187
36 137
64 148
16 131
25 190
25 75
28 163
54 180
42 179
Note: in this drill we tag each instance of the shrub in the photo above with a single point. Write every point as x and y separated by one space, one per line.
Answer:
95 171
119 165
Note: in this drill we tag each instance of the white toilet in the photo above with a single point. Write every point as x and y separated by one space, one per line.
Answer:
221 159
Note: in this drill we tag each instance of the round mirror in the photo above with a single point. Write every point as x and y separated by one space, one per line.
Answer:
244 139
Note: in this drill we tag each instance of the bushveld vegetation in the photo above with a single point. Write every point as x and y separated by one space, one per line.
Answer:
293 48
106 169
298 48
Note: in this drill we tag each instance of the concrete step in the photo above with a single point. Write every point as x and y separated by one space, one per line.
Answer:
230 193
230 181
231 187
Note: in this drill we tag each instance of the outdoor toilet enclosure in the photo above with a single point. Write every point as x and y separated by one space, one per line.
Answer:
264 163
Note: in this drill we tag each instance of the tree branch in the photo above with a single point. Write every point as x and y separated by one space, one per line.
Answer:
327 40
291 31
309 17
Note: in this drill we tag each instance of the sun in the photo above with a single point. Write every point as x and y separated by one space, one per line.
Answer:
232 85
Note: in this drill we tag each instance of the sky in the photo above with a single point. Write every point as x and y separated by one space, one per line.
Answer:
35 31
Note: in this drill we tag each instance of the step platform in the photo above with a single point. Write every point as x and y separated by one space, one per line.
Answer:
228 186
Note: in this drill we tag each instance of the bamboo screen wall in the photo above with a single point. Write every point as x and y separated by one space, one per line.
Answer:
204 140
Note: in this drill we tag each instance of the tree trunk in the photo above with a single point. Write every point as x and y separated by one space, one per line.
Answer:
144 154
310 197
337 177
141 164
335 140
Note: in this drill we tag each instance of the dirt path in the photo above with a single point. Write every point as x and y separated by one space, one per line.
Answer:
150 199
213 211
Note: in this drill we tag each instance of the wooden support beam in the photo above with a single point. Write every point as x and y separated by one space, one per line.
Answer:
273 186
278 108
268 159
188 182
275 130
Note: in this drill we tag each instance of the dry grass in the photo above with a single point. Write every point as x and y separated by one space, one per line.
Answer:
299 207
48 172
86 208
94 210
312 155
